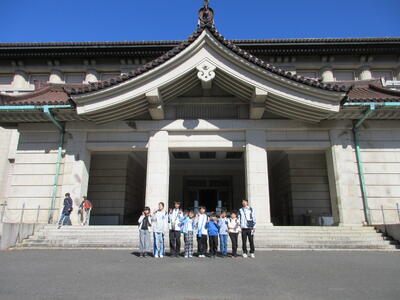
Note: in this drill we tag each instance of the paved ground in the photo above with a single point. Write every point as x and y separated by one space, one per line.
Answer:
108 274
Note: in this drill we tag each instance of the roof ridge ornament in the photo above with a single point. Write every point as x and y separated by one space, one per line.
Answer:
206 15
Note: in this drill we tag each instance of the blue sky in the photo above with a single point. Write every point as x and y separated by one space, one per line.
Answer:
123 20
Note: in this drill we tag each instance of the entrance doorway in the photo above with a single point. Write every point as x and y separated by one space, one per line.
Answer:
209 199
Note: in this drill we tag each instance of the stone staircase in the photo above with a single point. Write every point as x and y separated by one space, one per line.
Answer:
266 238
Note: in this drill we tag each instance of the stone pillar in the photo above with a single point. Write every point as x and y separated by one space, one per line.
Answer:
343 179
20 80
56 77
76 171
327 74
257 188
91 76
157 177
365 73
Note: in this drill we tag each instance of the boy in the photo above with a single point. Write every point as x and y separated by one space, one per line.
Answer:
201 225
213 229
160 226
144 231
223 233
66 212
174 229
247 219
187 229
234 229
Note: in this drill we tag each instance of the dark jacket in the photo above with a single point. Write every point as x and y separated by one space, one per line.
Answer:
67 206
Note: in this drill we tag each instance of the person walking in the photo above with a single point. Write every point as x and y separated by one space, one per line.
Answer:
159 223
144 232
247 219
66 212
175 217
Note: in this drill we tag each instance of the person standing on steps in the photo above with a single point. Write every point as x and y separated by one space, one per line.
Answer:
247 218
66 212
175 217
84 211
159 223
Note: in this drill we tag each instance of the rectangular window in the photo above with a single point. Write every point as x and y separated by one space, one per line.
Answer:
343 75
6 78
74 77
38 78
387 74
208 155
109 75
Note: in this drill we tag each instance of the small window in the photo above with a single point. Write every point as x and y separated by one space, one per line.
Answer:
6 78
74 77
208 155
38 78
181 155
309 74
344 75
106 76
234 155
388 75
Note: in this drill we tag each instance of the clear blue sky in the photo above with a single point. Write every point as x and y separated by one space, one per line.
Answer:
123 20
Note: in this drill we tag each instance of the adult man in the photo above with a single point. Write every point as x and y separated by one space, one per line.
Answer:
247 219
84 210
175 217
66 212
159 221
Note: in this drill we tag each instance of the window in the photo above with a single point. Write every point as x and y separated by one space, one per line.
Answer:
343 75
387 74
74 77
6 78
208 155
234 155
106 76
38 78
309 74
181 155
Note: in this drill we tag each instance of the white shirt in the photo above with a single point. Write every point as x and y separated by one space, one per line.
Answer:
201 224
175 219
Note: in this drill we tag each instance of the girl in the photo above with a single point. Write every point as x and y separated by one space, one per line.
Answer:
233 230
187 224
144 232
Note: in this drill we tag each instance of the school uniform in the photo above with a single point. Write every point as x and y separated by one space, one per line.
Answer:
201 225
233 230
213 230
175 231
159 223
223 235
247 215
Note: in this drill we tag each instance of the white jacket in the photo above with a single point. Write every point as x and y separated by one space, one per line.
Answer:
141 222
159 221
175 219
201 224
234 225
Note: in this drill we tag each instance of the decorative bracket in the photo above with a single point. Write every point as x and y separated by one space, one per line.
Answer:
257 103
206 74
156 108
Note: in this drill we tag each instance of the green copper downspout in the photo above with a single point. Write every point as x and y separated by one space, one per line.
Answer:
356 126
47 111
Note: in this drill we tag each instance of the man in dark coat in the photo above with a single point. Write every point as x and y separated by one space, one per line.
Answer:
66 211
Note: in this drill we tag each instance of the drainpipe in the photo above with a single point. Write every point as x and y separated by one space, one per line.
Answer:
47 111
356 126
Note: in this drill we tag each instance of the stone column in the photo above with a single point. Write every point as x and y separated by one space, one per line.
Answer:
365 73
91 76
76 171
343 179
327 74
257 188
157 177
56 77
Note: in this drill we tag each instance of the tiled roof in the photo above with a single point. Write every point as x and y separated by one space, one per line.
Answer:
48 94
371 91
178 49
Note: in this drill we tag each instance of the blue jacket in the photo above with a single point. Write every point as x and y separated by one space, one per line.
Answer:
212 228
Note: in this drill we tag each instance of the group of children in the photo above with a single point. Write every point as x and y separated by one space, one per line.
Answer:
205 227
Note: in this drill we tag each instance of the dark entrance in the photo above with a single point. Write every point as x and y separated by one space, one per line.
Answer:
208 198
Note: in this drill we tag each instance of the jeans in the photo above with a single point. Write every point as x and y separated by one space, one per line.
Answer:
247 233
234 241
64 218
158 244
175 242
223 238
144 236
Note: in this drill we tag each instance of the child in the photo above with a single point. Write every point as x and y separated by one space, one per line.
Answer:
223 233
201 225
160 226
213 229
144 232
187 225
234 229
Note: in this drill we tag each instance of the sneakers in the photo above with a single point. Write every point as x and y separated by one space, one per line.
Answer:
252 255
190 256
161 256
186 256
201 255
245 255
